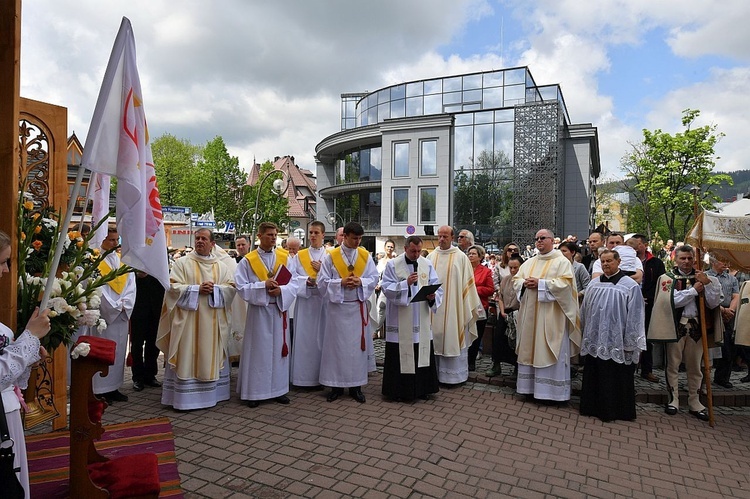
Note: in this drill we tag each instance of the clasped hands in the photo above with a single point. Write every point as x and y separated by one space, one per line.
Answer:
531 283
206 288
351 282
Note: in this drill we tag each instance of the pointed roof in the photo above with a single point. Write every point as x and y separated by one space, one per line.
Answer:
301 185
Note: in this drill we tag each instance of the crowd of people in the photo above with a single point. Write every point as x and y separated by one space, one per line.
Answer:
556 312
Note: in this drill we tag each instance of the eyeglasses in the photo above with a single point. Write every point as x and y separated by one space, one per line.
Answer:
461 237
541 238
512 249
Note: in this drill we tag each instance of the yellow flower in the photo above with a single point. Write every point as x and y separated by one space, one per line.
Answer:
96 251
73 235
28 205
79 244
35 216
37 229
23 236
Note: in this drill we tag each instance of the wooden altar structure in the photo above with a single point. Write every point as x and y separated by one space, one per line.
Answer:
32 148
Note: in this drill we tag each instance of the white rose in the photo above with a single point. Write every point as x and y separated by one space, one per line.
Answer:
81 350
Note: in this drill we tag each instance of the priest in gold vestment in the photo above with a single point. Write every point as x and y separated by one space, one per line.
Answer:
194 328
548 322
454 324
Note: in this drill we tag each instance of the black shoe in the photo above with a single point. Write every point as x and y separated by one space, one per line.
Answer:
152 383
670 409
702 415
472 367
356 394
253 403
746 379
282 399
117 396
137 386
723 384
426 396
335 393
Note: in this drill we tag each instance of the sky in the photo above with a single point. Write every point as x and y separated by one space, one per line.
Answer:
268 76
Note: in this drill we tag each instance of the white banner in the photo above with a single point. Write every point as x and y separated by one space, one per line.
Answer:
118 145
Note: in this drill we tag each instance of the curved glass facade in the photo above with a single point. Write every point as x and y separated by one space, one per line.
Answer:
454 94
461 163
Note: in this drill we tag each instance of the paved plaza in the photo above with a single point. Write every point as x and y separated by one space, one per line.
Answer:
477 440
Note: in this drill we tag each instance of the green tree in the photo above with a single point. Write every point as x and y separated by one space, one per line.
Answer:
483 196
217 183
665 168
271 206
174 159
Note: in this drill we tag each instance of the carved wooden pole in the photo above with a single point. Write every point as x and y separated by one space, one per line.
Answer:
10 86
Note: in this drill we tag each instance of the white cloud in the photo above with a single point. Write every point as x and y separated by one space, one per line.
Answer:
267 76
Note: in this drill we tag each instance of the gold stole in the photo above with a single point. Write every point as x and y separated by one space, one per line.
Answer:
305 259
259 268
337 257
406 319
118 283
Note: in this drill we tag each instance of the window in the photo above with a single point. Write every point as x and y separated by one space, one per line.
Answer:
400 206
428 158
427 197
401 159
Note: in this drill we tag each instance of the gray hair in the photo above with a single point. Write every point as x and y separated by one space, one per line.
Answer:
468 235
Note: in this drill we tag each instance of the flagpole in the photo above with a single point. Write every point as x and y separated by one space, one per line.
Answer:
92 181
63 233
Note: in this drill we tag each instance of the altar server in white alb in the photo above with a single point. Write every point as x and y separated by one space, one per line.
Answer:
194 328
118 300
307 345
346 280
410 370
264 364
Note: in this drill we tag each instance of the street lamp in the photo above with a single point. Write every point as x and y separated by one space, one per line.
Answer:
332 217
280 186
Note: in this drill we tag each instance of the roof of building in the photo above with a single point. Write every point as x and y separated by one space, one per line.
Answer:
301 185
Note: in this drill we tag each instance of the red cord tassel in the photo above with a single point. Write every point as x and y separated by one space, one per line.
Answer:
362 343
285 348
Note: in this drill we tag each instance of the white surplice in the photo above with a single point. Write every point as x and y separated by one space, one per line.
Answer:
264 371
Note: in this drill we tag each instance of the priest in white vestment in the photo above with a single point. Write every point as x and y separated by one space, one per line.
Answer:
549 331
454 325
264 364
409 370
194 328
307 345
346 280
118 300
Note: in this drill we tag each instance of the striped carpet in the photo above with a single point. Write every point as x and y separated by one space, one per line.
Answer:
49 455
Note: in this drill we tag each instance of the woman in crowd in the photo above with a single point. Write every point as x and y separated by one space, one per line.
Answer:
569 250
504 337
501 269
485 289
16 358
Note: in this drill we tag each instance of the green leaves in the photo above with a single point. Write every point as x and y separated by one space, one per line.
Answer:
663 170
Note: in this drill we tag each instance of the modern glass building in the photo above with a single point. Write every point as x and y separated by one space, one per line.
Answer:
491 152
